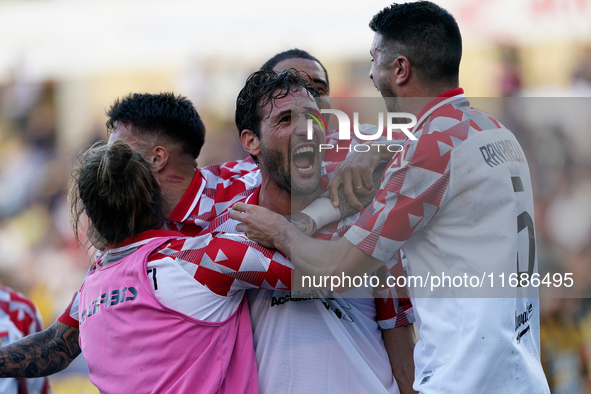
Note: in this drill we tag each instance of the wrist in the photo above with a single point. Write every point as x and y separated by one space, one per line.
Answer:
322 212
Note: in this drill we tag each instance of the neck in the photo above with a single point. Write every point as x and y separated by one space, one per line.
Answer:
414 98
280 201
174 183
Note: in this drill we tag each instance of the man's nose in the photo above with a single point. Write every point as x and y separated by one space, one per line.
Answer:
301 126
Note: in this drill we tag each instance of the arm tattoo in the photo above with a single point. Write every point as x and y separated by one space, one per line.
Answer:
346 209
40 354
303 222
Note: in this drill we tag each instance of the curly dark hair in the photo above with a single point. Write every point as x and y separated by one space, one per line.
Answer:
261 88
294 53
160 114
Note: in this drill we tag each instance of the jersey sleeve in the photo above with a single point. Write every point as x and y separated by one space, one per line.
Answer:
226 263
413 188
70 316
393 305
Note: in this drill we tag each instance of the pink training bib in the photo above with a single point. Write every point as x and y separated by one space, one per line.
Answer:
134 344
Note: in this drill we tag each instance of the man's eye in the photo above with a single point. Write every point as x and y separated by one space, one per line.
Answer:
286 118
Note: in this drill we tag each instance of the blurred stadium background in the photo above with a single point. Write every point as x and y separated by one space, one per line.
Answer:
62 63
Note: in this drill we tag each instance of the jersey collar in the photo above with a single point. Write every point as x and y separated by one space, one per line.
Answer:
189 200
437 102
141 239
253 199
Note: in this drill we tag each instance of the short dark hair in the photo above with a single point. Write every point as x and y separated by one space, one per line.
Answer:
263 87
426 34
294 53
115 186
160 114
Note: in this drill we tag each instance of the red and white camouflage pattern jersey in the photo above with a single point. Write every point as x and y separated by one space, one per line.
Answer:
305 340
393 306
459 201
19 318
213 189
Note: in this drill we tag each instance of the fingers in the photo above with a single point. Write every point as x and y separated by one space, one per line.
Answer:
236 215
239 206
367 179
357 179
333 190
348 191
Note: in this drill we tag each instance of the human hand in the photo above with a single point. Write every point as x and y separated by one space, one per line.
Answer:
355 175
262 225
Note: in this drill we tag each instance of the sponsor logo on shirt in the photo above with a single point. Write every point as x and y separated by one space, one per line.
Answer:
522 321
429 374
114 297
324 296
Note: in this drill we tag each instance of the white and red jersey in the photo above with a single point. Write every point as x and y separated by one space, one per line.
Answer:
459 201
320 341
213 189
19 318
205 276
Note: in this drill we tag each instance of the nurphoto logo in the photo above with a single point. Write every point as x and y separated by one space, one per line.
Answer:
394 121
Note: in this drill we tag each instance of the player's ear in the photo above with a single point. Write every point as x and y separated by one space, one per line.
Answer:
158 156
402 70
250 142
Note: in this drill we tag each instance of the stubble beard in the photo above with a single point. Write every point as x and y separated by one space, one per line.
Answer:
278 169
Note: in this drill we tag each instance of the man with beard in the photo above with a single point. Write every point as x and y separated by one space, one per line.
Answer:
265 310
312 340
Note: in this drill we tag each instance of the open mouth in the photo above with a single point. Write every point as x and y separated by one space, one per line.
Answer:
304 157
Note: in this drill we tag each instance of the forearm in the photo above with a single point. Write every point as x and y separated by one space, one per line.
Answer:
311 256
303 223
400 344
319 257
40 354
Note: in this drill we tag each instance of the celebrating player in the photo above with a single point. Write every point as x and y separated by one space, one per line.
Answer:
268 314
451 202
